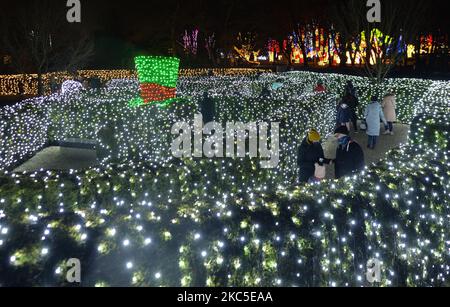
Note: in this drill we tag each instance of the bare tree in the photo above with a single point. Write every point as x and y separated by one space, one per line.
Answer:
348 20
399 27
76 55
210 45
40 40
385 42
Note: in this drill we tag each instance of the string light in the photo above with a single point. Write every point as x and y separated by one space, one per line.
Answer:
10 85
158 77
217 203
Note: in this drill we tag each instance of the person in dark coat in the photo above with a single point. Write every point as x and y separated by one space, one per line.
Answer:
310 152
21 88
350 89
264 93
95 84
349 154
53 85
352 103
107 143
344 116
207 108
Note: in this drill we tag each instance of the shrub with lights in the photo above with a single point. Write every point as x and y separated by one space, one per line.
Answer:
145 219
158 78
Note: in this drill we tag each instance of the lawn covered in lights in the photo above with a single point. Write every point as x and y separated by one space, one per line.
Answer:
146 219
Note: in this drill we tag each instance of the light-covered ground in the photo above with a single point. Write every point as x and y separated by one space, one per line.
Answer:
60 158
385 144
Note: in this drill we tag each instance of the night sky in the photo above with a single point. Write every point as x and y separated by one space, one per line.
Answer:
147 25
122 28
136 17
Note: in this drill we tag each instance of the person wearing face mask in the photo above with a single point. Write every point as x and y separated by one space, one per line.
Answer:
349 154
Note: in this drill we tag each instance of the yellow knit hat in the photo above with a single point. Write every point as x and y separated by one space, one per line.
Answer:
313 136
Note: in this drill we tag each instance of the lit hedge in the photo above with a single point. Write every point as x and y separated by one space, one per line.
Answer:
10 84
228 222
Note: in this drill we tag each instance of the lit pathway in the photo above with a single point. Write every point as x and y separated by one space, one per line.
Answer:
60 158
385 144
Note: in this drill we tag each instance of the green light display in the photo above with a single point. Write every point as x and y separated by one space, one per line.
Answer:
158 70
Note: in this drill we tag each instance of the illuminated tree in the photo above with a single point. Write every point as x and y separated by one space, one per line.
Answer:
40 40
246 47
273 48
210 45
381 45
190 42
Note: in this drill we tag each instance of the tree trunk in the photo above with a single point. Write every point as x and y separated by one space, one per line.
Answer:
330 59
417 53
40 84
303 48
173 37
342 50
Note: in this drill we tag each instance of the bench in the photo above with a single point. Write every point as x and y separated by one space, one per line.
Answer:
78 143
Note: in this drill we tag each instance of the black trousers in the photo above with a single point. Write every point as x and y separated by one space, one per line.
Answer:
355 120
306 174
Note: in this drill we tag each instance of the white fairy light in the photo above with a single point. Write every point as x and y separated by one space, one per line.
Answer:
169 178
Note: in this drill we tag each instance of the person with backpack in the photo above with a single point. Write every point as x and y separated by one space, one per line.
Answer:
343 115
349 154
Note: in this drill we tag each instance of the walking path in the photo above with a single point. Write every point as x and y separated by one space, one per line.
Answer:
385 143
60 158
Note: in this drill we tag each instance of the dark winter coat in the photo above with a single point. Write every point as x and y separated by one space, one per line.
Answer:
344 115
208 109
349 159
308 155
351 101
350 89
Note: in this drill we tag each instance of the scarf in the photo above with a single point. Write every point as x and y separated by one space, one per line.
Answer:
344 141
